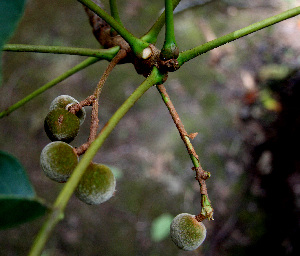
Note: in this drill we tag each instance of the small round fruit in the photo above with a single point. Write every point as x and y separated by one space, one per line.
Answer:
97 184
58 160
62 125
186 232
64 101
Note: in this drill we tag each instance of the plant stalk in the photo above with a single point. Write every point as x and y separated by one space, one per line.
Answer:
169 50
192 53
136 44
80 66
179 125
152 34
114 11
201 175
59 205
106 54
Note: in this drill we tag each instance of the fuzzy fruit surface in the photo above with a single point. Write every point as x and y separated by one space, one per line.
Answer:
61 125
63 101
186 232
58 160
97 184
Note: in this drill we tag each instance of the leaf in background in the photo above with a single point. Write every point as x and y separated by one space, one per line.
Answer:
160 228
10 13
18 201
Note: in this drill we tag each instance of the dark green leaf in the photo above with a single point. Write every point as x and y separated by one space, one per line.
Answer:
15 211
18 201
13 178
10 13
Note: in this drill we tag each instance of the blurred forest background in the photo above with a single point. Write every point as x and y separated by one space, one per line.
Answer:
242 99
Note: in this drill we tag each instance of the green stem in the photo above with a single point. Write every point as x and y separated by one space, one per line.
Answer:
136 44
45 232
106 54
59 205
169 50
190 54
47 86
152 34
114 11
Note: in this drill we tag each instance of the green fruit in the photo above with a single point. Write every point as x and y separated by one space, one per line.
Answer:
186 232
62 125
58 160
64 101
97 184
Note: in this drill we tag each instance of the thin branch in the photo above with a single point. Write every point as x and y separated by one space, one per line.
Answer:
152 34
169 50
106 54
179 125
136 44
114 11
49 85
94 100
190 54
57 211
201 175
119 56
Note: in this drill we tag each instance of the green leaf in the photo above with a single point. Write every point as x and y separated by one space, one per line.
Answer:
15 211
13 179
18 201
160 228
10 13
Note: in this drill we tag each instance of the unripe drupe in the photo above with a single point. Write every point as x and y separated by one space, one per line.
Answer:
58 160
64 101
97 184
186 232
61 125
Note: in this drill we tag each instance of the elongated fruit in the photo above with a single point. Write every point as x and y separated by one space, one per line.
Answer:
58 160
64 101
97 184
61 125
186 232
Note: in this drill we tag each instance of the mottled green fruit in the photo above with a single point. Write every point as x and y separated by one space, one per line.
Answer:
58 160
97 184
64 101
62 125
186 232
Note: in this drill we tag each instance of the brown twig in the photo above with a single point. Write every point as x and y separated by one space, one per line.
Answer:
78 106
201 175
94 101
93 129
119 56
180 127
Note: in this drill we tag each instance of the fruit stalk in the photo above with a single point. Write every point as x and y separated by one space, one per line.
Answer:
201 175
94 101
55 215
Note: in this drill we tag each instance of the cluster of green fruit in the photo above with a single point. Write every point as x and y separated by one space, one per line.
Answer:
187 232
59 159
